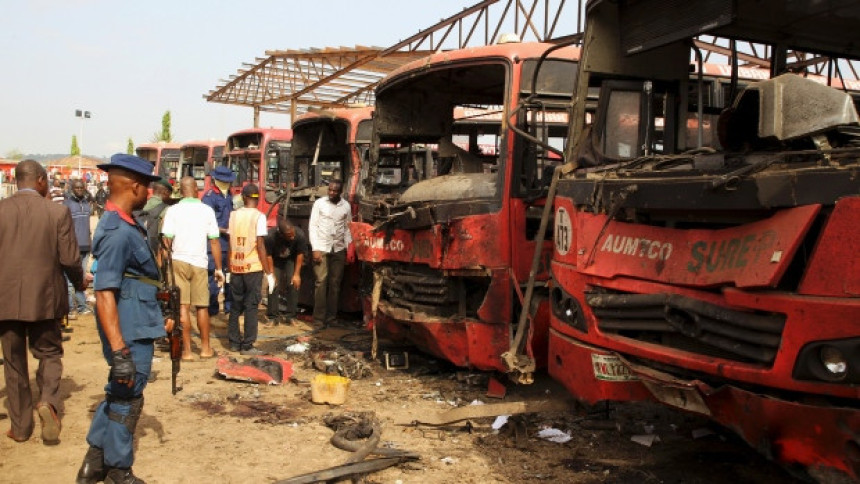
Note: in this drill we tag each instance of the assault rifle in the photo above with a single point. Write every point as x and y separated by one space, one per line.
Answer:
168 295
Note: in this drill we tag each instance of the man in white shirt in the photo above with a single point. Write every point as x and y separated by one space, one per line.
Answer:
328 232
187 226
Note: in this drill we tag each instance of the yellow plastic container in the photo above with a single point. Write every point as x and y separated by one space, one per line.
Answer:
331 389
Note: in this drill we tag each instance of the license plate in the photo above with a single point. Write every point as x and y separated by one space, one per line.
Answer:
610 368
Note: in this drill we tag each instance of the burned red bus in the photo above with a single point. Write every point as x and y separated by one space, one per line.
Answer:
329 144
165 157
706 254
261 156
197 158
452 203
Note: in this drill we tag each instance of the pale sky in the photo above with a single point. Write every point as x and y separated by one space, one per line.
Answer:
127 62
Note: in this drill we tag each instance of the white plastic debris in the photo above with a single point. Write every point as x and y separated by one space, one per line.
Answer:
476 402
554 435
448 460
646 440
500 422
298 348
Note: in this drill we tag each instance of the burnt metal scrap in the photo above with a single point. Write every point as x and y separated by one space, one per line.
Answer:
350 429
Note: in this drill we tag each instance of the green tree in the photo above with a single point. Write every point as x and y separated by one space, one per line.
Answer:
14 154
165 134
130 148
76 150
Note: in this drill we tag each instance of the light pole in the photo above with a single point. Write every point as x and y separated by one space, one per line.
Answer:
83 115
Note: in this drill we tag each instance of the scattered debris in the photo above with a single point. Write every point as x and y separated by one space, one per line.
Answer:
500 422
346 365
702 432
298 348
267 370
492 410
645 439
349 428
470 378
554 435
448 460
347 470
496 389
396 361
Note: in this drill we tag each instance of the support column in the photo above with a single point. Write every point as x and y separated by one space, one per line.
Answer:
256 116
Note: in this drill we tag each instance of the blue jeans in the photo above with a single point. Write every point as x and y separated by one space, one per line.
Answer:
78 299
108 431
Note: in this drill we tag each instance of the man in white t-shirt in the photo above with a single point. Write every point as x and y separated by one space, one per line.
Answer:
188 226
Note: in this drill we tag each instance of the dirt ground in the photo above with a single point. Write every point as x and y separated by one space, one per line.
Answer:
225 431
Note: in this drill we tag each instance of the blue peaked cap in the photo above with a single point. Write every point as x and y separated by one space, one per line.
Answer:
132 163
224 174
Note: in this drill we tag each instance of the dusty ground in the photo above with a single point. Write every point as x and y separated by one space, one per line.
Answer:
216 430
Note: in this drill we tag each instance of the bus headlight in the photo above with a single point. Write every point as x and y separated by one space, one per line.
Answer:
834 361
566 308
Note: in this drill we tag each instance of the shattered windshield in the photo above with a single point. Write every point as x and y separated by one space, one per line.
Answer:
446 122
321 153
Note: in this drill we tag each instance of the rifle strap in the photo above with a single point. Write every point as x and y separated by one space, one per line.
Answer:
143 279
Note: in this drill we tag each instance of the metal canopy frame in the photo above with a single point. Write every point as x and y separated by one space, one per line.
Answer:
291 81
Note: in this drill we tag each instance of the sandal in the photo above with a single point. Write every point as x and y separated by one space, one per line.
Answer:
16 439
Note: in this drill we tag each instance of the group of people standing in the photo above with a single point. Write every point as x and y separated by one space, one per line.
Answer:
210 245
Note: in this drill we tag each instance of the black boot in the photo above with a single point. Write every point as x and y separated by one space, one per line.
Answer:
122 476
93 468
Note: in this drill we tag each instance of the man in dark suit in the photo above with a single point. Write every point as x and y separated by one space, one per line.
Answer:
38 244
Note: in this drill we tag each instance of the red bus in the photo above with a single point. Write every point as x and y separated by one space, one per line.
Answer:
329 144
446 227
197 158
165 157
261 156
717 274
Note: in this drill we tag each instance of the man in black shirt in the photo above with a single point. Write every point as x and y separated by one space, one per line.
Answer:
287 247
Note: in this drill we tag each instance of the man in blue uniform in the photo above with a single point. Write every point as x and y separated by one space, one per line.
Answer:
218 197
129 320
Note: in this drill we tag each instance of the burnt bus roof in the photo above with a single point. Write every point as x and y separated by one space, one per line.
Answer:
351 115
823 27
511 51
203 143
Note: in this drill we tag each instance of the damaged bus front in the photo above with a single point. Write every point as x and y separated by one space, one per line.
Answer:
261 156
164 156
453 197
197 159
329 144
707 258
